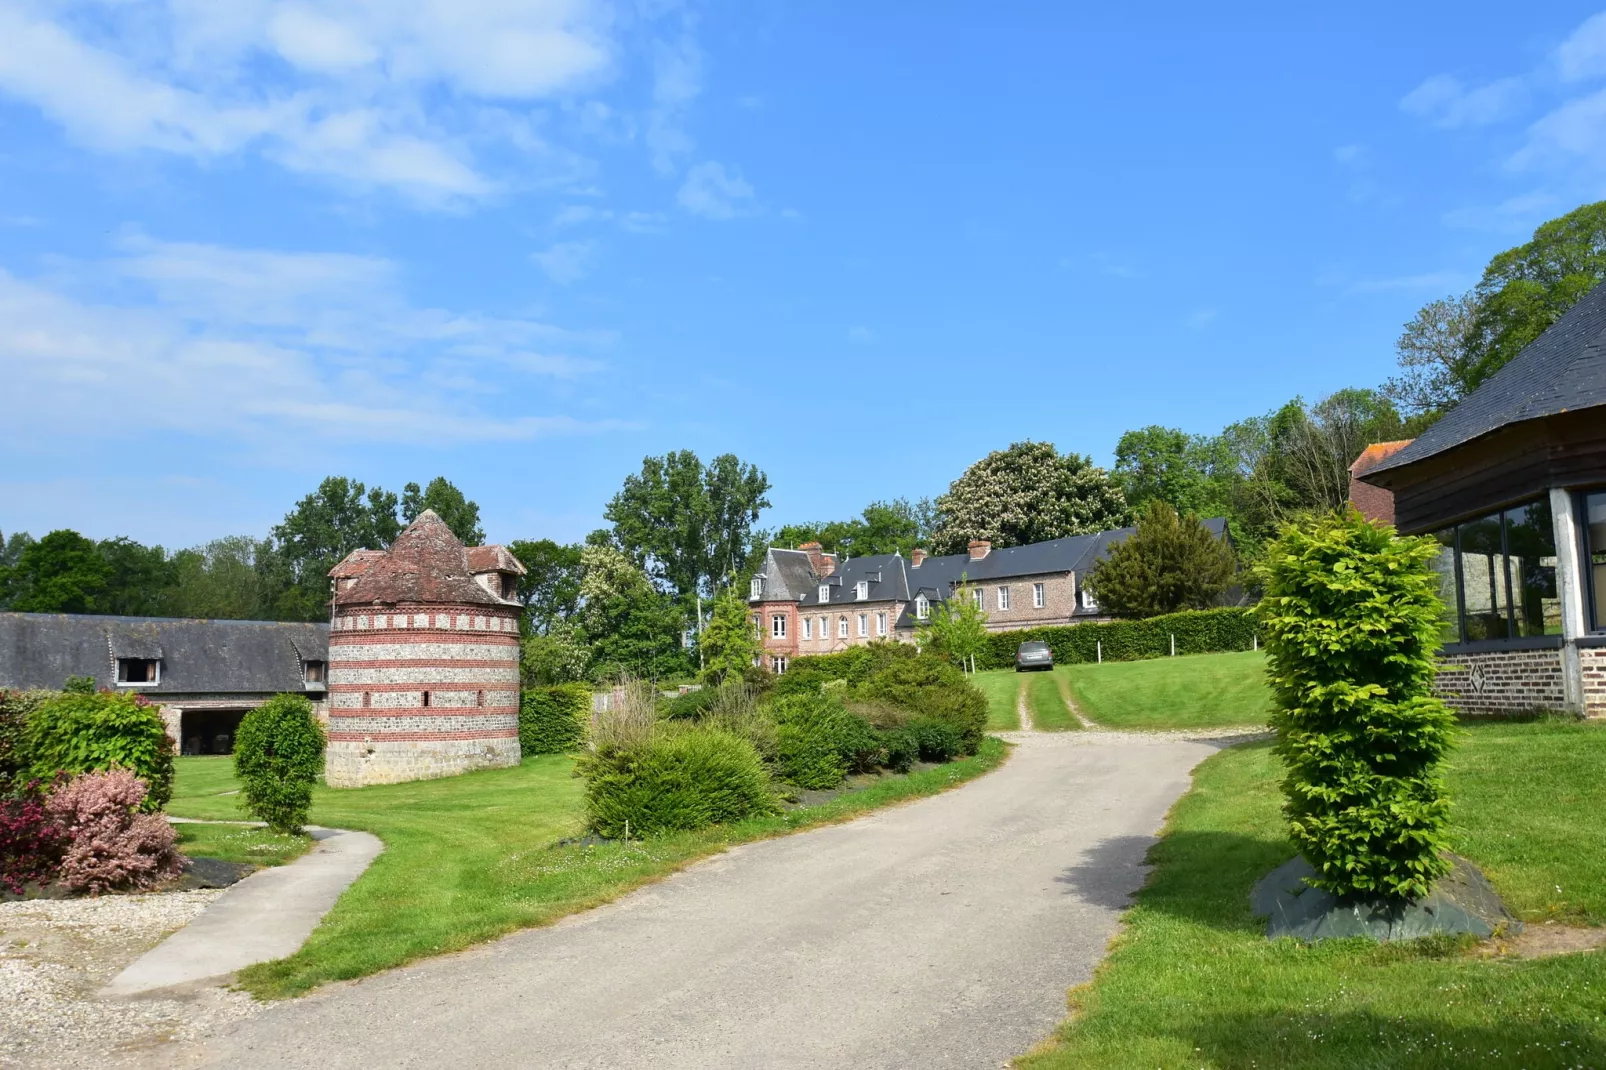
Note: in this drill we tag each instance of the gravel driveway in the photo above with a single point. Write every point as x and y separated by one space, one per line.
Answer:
943 933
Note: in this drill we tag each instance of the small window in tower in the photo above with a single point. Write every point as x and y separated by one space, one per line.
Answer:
480 700
426 699
367 699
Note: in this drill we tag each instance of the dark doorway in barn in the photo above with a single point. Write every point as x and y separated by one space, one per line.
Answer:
209 731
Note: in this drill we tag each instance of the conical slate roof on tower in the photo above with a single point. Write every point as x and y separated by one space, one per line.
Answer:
426 564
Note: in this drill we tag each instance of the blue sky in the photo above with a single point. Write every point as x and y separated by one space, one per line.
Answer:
524 243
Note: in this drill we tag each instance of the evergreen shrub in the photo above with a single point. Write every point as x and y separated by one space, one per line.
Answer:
935 740
75 732
681 777
278 756
900 748
929 687
553 720
691 705
818 741
1202 631
854 665
1351 618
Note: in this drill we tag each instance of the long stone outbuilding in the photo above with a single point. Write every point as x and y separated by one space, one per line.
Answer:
423 659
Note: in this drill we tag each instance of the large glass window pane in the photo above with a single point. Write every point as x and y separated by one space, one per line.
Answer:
1531 564
1483 580
1444 565
1595 518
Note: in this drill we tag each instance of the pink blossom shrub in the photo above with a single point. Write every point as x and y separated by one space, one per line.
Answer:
114 846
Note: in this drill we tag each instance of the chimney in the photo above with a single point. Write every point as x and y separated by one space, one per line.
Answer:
916 556
821 562
980 548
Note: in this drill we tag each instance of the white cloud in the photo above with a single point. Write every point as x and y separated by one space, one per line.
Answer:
564 262
712 192
1514 215
362 91
1444 101
1583 55
1572 132
247 343
677 81
576 214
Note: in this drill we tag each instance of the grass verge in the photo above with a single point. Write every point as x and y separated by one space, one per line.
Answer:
1002 689
232 843
1193 691
1047 703
473 857
1192 981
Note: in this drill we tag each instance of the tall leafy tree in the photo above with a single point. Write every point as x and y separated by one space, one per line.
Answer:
342 515
687 525
141 580
1433 354
896 526
550 587
449 503
223 579
633 627
1027 493
61 573
729 642
1164 463
1170 563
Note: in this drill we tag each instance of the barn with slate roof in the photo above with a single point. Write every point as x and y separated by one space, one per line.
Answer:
205 674
1512 482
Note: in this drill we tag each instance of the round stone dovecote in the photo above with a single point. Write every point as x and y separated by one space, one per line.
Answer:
423 660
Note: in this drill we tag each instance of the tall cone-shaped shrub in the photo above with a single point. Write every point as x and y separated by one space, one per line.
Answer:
1351 621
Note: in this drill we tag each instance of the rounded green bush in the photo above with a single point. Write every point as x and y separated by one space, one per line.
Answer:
818 741
278 756
900 748
682 778
935 740
930 687
77 733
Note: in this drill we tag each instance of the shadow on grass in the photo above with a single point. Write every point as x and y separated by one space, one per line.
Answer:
1368 1039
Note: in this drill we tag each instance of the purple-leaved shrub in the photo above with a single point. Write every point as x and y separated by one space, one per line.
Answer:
114 847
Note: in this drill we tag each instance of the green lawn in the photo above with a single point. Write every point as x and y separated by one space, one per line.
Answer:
471 857
1192 981
1047 703
1002 689
1194 691
232 843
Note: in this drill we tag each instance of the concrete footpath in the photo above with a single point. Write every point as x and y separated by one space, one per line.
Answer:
942 933
266 916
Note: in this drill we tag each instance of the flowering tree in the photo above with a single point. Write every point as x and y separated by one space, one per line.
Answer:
1027 493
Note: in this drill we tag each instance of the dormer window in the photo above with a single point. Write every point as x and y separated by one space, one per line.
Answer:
825 592
139 671
312 673
922 607
755 589
1088 601
861 590
510 586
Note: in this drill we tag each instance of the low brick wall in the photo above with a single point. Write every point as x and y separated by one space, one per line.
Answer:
1501 682
1593 660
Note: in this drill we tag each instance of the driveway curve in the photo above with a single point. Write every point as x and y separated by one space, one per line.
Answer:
942 933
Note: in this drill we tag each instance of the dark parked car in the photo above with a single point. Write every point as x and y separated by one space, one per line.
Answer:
1033 655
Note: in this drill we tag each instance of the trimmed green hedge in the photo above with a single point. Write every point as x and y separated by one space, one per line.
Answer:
553 720
684 777
1201 631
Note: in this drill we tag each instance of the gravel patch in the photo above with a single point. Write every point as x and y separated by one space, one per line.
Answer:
56 954
1105 737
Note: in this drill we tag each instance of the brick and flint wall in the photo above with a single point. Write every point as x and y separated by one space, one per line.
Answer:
383 664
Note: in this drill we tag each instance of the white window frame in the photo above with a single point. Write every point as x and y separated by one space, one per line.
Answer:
881 623
1003 597
922 607
778 626
842 627
779 665
1088 601
861 590
977 596
755 587
1039 595
825 628
808 627
825 594
864 625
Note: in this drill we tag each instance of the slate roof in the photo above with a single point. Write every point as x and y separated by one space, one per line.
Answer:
426 564
1562 370
891 578
198 656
